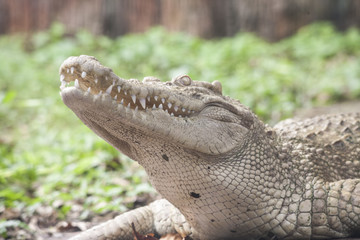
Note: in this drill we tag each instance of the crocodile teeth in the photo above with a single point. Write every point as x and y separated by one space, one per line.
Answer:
148 98
160 106
143 102
156 98
89 89
63 85
133 97
108 90
72 70
176 108
96 80
154 106
62 77
122 102
169 105
128 106
163 100
118 89
83 74
99 94
183 109
115 97
77 83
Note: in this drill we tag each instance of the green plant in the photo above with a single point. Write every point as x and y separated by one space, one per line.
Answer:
48 156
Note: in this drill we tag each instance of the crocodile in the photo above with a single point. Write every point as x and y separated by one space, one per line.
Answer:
222 172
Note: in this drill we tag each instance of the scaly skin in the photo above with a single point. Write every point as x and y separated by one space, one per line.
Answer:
223 173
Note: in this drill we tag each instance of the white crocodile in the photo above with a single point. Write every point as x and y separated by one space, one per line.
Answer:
222 172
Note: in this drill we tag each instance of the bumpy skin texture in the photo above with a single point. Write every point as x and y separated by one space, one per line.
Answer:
223 173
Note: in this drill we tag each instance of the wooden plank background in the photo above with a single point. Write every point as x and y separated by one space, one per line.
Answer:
271 19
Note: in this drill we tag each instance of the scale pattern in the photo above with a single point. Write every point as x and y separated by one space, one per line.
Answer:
222 172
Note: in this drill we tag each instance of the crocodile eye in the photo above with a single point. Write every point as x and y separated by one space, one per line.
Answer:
183 80
217 86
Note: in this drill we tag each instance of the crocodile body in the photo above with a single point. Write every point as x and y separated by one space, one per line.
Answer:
222 172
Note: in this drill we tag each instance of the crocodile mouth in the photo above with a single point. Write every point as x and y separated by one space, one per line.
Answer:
180 111
132 94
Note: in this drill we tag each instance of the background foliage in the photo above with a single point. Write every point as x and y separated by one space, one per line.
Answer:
48 157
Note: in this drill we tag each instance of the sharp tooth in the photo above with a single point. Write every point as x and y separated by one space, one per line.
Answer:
166 111
67 70
154 106
122 101
115 97
136 108
143 102
62 77
172 114
108 90
63 85
72 70
125 92
179 116
128 111
119 89
148 98
96 80
89 89
83 74
183 109
156 98
133 97
169 105
99 93
77 83
163 100
176 108
128 106
160 106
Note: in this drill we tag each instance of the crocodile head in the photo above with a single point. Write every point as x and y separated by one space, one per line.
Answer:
191 114
196 145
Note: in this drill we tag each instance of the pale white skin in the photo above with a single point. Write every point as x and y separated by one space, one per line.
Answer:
223 173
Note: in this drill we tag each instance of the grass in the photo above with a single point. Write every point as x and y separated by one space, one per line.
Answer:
48 155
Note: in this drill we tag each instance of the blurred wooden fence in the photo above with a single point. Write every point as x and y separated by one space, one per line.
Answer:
271 19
